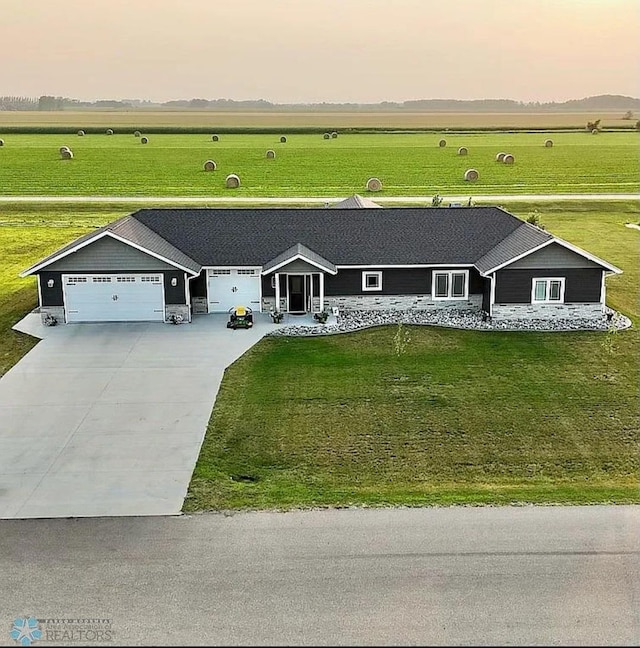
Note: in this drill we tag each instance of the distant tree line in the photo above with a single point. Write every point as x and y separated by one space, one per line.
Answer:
600 103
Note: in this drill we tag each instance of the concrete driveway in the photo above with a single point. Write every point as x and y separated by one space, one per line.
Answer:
108 419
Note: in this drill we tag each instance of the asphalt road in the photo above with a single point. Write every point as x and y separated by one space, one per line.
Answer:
474 576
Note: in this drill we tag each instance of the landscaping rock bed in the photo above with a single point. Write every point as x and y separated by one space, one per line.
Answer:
356 320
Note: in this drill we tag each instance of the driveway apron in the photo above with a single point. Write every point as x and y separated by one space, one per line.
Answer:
108 419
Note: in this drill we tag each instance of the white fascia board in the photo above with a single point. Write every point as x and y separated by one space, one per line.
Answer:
153 254
486 273
592 257
93 239
300 257
406 265
44 264
569 246
232 267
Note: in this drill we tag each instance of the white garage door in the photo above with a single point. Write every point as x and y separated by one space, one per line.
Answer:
233 287
114 298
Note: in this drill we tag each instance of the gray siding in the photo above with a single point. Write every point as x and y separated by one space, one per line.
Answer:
581 284
109 255
298 266
553 256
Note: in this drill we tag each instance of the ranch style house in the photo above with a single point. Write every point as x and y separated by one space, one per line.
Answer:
159 264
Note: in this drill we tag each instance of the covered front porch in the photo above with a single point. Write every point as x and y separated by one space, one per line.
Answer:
294 282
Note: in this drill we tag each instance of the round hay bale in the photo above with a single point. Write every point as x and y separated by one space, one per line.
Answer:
334 134
214 138
471 175
327 136
500 157
283 139
462 150
63 148
548 143
209 165
1 142
109 131
144 140
232 181
508 159
137 133
594 131
80 133
271 155
66 154
442 143
374 184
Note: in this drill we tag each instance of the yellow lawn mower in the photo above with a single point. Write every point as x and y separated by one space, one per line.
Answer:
240 317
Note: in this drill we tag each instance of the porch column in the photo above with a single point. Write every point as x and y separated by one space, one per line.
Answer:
321 295
277 291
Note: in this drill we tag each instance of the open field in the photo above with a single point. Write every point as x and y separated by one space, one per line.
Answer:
461 417
308 165
330 120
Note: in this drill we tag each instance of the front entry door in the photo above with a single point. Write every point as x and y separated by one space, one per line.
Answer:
297 297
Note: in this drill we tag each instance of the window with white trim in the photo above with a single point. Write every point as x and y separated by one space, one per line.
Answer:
75 280
150 279
246 271
221 271
450 284
101 279
547 290
371 280
122 279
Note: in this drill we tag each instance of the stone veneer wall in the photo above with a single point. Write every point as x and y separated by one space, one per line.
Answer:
269 304
592 310
56 311
177 309
400 302
381 302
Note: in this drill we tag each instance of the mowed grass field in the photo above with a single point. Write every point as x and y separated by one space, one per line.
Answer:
308 165
460 417
292 119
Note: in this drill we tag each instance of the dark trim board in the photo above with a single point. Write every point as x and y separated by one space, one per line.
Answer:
174 294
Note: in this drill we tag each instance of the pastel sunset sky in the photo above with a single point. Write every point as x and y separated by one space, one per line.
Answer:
320 50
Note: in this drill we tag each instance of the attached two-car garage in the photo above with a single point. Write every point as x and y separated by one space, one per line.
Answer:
113 297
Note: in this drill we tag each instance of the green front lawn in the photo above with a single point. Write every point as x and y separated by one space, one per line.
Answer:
460 417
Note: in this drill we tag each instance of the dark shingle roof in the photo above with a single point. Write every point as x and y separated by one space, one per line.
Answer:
525 238
137 232
131 230
342 236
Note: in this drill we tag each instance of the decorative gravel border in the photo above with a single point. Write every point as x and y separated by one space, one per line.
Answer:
357 320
